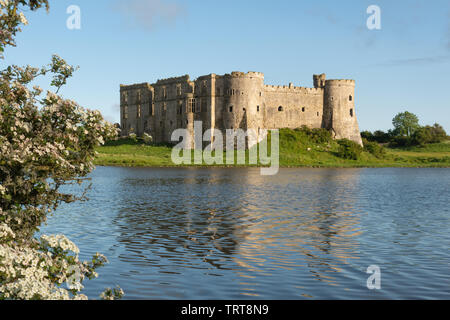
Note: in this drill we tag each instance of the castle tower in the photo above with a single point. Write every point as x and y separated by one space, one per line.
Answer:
243 105
319 80
339 110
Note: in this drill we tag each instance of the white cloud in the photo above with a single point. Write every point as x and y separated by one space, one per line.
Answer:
149 13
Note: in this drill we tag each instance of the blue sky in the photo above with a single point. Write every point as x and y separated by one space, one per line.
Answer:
403 66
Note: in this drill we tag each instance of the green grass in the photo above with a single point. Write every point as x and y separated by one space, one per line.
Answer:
297 149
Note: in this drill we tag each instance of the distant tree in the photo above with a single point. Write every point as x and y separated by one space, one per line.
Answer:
367 135
405 123
381 136
429 134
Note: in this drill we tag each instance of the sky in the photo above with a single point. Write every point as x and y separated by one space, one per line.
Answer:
404 66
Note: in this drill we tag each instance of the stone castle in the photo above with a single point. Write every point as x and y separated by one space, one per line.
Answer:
237 100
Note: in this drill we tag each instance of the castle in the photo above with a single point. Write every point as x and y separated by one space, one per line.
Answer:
237 100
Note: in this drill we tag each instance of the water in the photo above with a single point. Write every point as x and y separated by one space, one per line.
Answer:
234 234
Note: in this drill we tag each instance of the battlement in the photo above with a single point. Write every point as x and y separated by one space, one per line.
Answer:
340 82
250 74
292 89
184 78
144 85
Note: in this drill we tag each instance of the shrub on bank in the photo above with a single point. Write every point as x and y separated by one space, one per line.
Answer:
349 149
374 148
316 135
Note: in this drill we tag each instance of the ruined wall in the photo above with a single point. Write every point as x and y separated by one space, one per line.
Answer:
135 106
293 107
237 101
170 107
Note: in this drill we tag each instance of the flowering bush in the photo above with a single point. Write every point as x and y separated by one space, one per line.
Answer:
45 142
148 139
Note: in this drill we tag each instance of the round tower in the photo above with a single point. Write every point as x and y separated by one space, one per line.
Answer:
339 110
243 107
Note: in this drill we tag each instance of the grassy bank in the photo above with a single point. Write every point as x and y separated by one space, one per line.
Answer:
297 149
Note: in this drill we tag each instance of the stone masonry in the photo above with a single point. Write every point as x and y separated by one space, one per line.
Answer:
237 100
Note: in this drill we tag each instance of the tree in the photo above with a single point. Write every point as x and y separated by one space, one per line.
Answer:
429 134
405 123
46 142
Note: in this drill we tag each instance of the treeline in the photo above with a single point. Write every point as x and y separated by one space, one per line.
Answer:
407 132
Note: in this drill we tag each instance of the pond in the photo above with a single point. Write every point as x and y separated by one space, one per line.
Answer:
217 233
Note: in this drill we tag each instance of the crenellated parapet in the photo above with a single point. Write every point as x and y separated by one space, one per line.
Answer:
340 82
184 78
293 89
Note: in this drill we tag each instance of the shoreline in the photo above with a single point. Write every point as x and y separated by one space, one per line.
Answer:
281 167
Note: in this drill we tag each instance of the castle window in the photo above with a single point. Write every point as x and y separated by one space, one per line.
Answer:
231 109
318 114
180 107
280 108
350 98
164 107
257 108
164 92
190 106
244 110
351 112
332 98
139 111
232 92
303 109
178 89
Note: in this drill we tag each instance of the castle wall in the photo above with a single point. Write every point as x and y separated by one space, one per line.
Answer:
136 102
237 101
293 107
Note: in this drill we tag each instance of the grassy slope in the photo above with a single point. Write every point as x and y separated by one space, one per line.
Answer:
294 152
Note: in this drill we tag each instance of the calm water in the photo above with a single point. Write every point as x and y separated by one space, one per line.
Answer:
234 234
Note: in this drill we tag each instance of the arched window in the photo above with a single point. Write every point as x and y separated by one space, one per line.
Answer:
350 98
303 109
280 108
231 109
257 108
351 112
